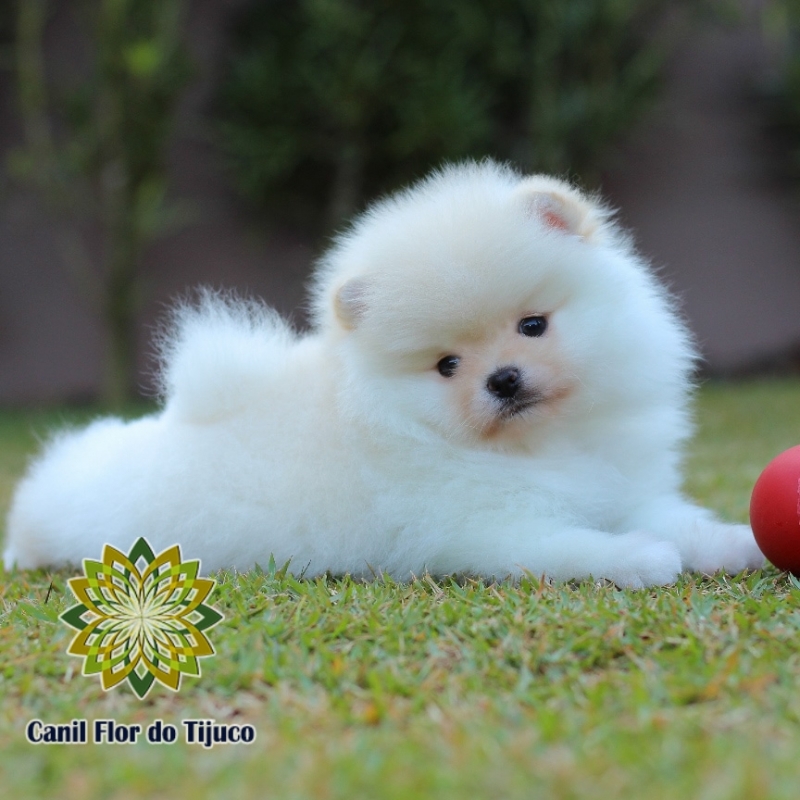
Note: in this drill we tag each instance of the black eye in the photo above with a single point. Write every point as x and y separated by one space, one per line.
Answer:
447 366
533 326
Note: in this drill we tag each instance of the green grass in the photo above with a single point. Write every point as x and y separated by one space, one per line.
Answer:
448 689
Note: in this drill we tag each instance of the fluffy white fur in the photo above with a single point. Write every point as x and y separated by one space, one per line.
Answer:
346 449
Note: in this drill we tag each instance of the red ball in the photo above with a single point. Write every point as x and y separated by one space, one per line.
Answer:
775 511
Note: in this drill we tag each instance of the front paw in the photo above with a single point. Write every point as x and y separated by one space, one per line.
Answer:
722 548
646 562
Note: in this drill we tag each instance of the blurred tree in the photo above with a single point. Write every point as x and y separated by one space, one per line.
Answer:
6 64
328 102
6 36
782 23
96 152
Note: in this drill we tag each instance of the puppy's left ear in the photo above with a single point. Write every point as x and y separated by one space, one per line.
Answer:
350 303
559 207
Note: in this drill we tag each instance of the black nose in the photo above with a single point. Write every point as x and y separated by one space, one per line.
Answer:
505 382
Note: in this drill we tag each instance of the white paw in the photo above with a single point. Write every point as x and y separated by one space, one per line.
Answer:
644 561
718 547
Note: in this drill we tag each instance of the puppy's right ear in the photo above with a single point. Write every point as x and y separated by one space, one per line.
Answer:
560 207
350 303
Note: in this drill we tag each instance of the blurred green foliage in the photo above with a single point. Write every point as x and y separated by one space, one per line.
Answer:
6 33
782 22
95 144
327 102
121 113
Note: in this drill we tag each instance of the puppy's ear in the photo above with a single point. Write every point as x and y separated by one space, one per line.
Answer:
559 207
350 302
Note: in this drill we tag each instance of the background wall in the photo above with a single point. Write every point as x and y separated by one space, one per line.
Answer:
703 187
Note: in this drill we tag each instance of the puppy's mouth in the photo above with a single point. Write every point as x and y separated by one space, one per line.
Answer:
519 404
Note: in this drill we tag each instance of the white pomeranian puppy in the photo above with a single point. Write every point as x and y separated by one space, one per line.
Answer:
495 383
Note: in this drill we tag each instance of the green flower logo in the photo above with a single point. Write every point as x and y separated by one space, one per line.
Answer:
141 617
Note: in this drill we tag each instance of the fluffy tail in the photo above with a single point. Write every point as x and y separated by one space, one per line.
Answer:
219 353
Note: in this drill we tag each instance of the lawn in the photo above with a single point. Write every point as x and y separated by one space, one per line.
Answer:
446 688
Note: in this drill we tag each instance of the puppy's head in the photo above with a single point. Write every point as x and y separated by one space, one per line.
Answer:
484 306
